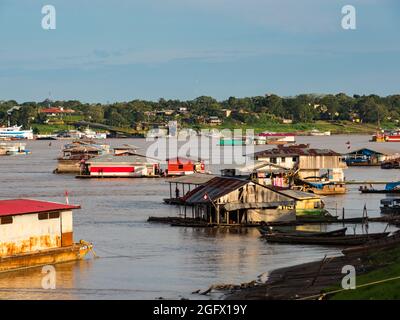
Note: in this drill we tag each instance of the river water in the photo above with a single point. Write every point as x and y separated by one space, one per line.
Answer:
141 260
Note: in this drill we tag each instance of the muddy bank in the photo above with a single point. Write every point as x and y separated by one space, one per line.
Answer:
311 280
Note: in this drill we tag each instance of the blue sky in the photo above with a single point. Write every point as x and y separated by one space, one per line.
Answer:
122 50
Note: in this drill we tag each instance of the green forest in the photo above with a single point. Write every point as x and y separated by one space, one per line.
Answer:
234 112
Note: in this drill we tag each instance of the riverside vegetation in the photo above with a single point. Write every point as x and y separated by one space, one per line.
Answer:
338 113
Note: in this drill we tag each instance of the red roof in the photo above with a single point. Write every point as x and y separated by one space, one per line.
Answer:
181 160
56 110
25 206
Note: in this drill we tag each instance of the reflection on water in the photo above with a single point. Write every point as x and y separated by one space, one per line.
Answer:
139 260
27 284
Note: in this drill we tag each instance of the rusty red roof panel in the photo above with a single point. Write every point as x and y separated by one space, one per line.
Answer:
26 206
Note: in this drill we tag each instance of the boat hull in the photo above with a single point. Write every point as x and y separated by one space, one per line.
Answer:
334 241
45 257
330 191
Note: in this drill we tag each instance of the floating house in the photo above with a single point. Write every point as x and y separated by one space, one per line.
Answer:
35 233
179 186
369 157
75 153
126 149
183 166
306 203
230 201
277 138
111 166
308 163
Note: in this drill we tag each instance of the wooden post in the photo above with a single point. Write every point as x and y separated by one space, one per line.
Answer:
343 214
183 189
185 212
217 213
238 216
170 190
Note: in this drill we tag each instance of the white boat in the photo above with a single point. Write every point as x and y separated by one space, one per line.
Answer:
90 134
276 138
15 132
9 149
316 132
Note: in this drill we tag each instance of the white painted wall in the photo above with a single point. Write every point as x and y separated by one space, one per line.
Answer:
28 234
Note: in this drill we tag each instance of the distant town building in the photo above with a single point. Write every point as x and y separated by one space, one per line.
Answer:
214 121
56 111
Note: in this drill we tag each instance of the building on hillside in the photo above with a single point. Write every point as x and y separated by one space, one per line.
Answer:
35 233
214 121
56 111
224 200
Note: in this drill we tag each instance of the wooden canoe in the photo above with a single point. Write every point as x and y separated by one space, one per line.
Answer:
348 240
301 233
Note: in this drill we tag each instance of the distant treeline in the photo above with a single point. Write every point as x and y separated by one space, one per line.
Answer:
269 108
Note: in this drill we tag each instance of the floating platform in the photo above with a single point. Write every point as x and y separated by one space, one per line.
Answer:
45 257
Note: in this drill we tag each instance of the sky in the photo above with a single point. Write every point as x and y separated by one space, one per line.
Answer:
120 50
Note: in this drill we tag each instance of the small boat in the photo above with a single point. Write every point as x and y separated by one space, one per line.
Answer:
330 189
231 142
301 233
347 240
392 187
316 132
390 206
274 138
11 149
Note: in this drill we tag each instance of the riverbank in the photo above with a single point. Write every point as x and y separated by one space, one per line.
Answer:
336 127
376 278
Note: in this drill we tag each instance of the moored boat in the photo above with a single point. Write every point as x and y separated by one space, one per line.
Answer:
15 132
348 240
302 233
9 149
390 206
330 189
393 187
36 233
274 138
316 132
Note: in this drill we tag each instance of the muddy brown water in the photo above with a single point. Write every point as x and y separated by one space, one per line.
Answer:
141 260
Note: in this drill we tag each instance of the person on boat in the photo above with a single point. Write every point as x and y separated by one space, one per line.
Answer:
177 192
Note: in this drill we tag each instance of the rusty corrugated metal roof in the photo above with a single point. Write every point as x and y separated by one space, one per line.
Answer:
291 151
215 188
